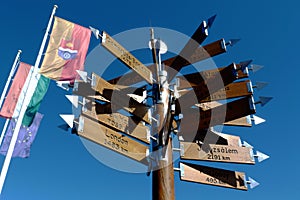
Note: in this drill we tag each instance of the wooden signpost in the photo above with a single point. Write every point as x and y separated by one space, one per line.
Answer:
213 176
94 131
189 109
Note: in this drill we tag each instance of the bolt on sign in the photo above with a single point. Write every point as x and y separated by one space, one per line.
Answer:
213 176
112 140
126 57
216 153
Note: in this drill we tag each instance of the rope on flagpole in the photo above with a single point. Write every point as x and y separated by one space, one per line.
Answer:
24 106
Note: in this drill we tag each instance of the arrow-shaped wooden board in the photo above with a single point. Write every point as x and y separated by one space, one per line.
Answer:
216 116
232 90
119 122
104 136
117 97
243 121
207 87
216 153
126 57
194 79
213 176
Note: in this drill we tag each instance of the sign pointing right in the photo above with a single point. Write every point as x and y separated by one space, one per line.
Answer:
213 176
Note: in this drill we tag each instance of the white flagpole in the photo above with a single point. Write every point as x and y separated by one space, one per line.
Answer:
4 130
24 106
11 74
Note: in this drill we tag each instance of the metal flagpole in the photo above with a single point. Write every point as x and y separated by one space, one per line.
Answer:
4 130
11 74
24 106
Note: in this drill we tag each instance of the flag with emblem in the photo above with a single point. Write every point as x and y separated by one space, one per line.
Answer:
25 137
66 51
15 91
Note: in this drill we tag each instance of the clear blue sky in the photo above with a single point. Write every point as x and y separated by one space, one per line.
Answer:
61 168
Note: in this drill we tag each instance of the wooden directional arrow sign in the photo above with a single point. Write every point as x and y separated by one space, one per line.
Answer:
194 79
111 139
216 116
213 176
207 87
126 57
121 99
201 53
233 90
187 51
217 153
243 121
119 122
107 91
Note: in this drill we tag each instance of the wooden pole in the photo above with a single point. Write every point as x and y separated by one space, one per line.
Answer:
163 178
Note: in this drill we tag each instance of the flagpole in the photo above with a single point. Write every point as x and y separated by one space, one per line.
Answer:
24 106
11 74
4 130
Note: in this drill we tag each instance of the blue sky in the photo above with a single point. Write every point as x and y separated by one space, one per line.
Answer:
60 167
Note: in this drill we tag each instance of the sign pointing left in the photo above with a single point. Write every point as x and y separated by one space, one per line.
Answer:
126 57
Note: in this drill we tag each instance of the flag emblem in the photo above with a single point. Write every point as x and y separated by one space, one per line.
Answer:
65 50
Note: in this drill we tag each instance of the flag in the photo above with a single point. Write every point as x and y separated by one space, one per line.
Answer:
15 90
36 100
66 51
24 90
25 137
